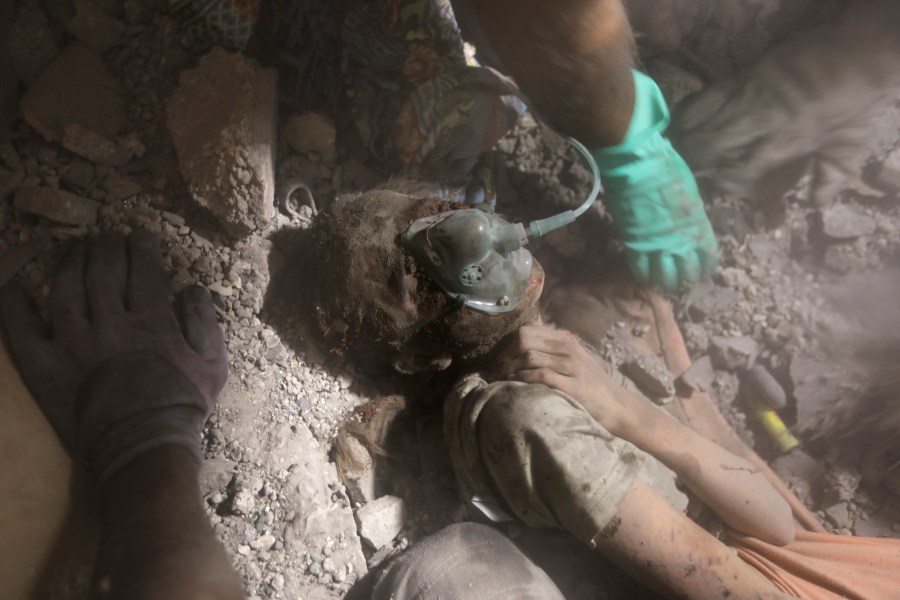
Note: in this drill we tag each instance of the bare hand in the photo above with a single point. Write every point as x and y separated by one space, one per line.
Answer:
557 359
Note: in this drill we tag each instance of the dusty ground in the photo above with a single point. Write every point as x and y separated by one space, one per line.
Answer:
270 488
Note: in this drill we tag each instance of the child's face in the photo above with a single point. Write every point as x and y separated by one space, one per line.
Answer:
376 303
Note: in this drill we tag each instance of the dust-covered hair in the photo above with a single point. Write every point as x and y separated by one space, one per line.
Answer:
369 294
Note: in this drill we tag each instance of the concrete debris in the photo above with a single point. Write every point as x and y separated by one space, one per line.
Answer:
57 205
708 299
844 222
839 485
242 502
78 174
732 353
246 491
215 475
797 465
311 133
95 28
94 147
226 141
380 521
699 376
734 277
765 387
844 258
888 174
696 338
650 375
32 45
120 187
9 182
839 515
815 391
76 89
263 542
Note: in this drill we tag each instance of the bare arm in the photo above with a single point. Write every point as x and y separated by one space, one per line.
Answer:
729 484
572 58
661 547
157 543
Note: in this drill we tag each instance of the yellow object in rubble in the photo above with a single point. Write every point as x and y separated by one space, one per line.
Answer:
774 426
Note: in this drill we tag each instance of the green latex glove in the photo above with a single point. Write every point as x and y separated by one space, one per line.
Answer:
653 199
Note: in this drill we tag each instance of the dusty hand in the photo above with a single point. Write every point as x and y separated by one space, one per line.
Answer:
555 358
117 374
816 97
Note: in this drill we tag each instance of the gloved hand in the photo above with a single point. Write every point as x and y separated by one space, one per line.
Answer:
653 198
118 375
815 97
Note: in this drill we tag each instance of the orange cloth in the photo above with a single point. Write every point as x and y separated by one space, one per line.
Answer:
824 566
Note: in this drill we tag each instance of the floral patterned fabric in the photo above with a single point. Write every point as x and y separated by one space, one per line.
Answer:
422 109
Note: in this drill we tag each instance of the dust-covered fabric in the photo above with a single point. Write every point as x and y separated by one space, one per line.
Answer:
465 561
540 452
421 107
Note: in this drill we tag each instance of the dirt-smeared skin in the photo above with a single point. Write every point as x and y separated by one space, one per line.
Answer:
572 58
665 550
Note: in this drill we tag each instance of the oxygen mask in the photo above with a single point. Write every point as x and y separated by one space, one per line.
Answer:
477 257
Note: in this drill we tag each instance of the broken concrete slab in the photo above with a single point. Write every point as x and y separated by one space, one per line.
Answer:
650 376
76 89
120 187
311 133
845 222
733 353
380 521
96 148
31 43
57 205
226 140
95 28
699 376
79 174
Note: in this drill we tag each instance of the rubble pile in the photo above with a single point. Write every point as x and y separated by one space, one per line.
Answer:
121 123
